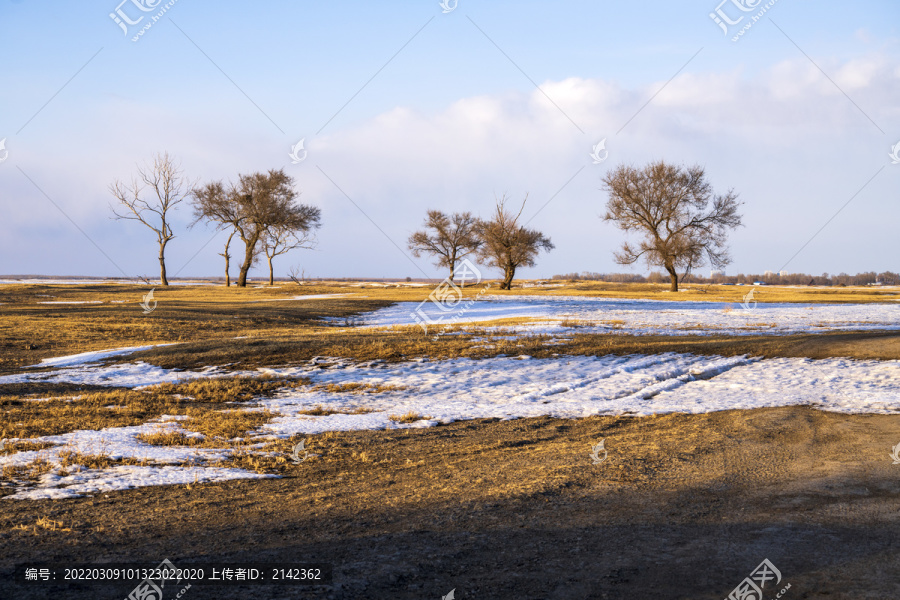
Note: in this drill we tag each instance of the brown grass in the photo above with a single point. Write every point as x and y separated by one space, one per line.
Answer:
358 388
99 460
228 389
62 414
206 319
227 424
320 411
11 447
167 437
410 417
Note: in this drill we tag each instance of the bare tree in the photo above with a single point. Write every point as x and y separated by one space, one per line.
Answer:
253 205
449 238
280 239
167 188
506 245
298 278
670 207
227 258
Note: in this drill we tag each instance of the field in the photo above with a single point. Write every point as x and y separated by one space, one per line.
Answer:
463 457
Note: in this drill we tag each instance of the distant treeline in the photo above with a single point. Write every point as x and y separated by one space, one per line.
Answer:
868 278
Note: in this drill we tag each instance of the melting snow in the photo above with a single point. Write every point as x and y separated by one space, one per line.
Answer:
647 317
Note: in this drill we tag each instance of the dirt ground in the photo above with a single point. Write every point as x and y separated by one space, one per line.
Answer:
683 507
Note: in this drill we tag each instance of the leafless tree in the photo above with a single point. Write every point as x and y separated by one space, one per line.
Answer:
157 189
253 205
670 207
506 245
227 258
449 238
297 277
280 239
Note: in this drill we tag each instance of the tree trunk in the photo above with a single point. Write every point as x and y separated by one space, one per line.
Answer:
509 273
227 260
249 252
162 263
673 275
453 269
271 276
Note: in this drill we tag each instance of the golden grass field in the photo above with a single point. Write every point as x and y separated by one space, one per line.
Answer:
684 508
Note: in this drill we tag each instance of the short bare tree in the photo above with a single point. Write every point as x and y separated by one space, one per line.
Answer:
506 245
449 238
280 239
682 222
227 258
256 203
157 189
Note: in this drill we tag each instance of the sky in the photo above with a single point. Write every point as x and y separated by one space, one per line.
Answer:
409 106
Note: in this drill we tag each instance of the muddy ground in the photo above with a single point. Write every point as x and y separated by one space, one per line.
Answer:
683 507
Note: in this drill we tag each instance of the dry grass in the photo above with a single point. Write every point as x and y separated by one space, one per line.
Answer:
228 389
43 524
30 472
168 437
320 411
11 447
99 460
227 424
358 388
410 417
206 319
63 414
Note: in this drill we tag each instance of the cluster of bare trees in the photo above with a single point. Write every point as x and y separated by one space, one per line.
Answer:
499 242
260 208
681 223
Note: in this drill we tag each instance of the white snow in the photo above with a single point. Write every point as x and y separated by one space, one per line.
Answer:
52 486
645 317
117 443
94 356
580 386
458 389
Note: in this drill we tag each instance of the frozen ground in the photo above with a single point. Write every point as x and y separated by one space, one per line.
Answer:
644 317
444 391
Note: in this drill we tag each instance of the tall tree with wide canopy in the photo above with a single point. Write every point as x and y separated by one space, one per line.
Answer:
449 238
683 223
257 203
506 245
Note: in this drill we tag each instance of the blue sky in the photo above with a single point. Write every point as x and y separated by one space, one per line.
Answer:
797 116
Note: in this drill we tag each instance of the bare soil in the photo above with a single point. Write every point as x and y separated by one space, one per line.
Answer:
683 507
